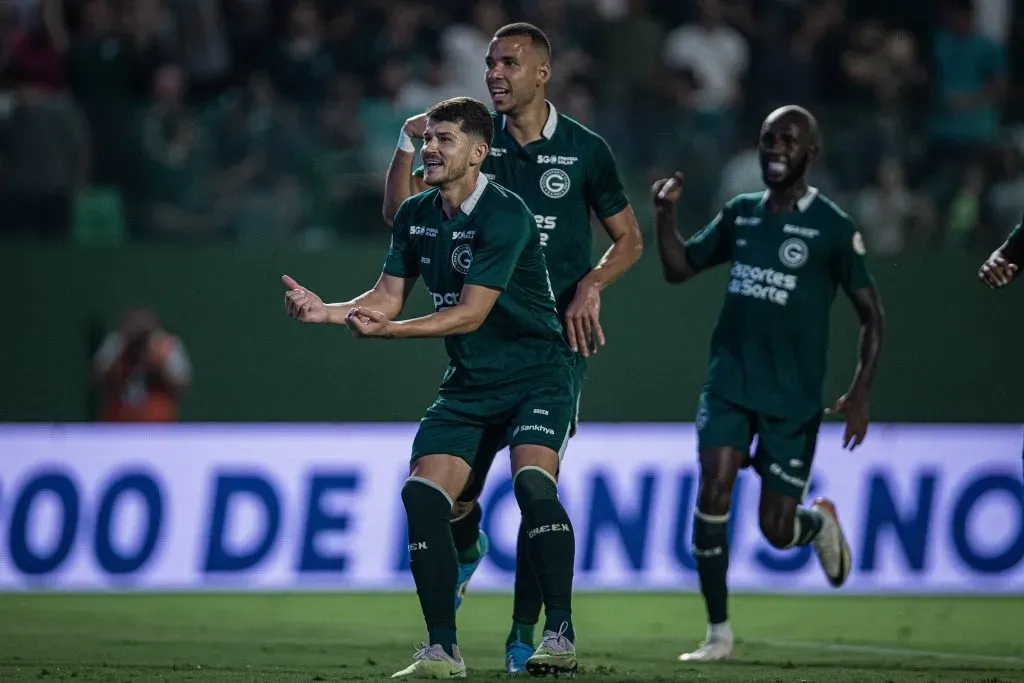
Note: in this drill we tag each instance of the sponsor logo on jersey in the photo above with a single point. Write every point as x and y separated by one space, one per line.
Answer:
425 259
497 151
748 220
463 234
422 230
462 258
858 244
554 182
490 176
556 160
446 300
794 252
809 233
766 284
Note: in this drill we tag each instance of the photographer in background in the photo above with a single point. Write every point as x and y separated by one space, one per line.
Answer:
142 371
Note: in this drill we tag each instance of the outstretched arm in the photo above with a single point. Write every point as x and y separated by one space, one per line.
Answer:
388 297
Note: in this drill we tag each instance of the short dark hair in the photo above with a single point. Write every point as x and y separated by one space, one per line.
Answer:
521 28
471 115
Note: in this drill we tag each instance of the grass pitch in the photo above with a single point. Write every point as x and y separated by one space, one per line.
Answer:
333 637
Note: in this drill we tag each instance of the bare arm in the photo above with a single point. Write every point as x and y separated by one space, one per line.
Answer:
475 303
388 297
398 186
626 249
671 247
400 183
868 306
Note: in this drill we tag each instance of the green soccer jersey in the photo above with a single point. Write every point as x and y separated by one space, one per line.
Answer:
770 346
562 177
493 242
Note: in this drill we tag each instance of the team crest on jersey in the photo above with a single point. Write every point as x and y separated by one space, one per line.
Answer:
554 183
793 252
462 258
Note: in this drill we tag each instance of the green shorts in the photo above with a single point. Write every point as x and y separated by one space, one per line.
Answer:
785 448
475 428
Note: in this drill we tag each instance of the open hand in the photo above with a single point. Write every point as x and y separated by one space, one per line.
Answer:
583 320
856 411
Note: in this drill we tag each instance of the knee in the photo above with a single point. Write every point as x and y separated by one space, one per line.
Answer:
715 495
532 484
420 494
465 509
777 528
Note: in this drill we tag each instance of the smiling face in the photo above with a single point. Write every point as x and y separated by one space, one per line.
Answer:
517 70
457 137
787 147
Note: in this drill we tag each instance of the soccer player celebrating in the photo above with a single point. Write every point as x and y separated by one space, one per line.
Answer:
510 379
790 248
564 172
1001 267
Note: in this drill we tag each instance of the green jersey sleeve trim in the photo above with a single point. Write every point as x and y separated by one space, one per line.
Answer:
710 246
603 185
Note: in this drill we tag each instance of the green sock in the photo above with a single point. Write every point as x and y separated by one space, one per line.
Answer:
552 545
808 525
433 562
520 633
466 534
711 552
527 598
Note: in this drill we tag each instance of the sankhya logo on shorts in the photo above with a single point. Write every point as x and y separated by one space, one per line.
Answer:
462 258
554 183
794 252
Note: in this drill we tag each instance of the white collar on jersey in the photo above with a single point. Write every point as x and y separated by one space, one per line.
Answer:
470 203
548 131
802 203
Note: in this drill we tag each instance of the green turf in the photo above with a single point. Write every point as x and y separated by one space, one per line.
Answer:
307 637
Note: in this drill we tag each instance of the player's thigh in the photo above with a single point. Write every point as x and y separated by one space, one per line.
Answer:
785 454
540 426
494 439
450 433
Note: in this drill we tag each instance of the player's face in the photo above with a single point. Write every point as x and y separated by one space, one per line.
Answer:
784 151
515 73
448 153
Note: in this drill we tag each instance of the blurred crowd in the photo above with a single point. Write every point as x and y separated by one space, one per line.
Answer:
273 121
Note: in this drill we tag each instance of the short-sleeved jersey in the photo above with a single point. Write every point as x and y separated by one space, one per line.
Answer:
562 177
493 242
769 350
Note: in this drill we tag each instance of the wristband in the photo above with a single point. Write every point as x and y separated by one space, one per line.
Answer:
405 142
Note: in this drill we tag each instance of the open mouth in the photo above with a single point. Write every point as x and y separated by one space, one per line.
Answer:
432 163
498 93
777 166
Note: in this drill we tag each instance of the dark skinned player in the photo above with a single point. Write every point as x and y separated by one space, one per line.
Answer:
790 248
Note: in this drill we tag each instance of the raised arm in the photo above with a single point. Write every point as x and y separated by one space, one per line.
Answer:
400 183
682 259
